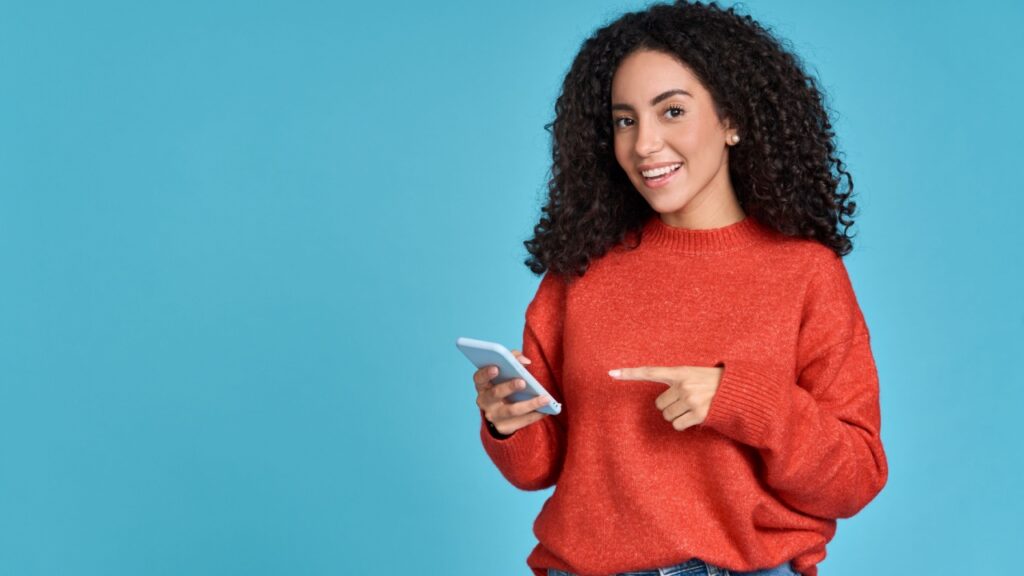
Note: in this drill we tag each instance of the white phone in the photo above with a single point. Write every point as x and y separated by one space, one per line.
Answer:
483 353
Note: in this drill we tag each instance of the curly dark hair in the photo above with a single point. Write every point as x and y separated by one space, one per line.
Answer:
786 171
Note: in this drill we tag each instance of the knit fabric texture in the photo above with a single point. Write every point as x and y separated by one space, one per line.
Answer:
790 444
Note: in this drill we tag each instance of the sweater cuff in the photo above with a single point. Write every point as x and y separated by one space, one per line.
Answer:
746 405
518 448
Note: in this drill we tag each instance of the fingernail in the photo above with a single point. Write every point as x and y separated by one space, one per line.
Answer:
493 371
525 360
614 373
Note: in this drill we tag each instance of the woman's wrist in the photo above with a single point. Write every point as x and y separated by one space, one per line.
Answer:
494 431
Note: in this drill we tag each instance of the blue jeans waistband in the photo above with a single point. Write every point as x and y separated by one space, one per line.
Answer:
696 567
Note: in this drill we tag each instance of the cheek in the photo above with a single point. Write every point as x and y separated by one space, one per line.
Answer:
687 141
704 142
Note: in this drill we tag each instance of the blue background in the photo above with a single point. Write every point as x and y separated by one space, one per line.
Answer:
238 241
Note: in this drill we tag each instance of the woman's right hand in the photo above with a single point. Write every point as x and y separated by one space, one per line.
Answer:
507 416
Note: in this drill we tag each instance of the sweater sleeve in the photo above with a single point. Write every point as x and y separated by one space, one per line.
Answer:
819 436
531 458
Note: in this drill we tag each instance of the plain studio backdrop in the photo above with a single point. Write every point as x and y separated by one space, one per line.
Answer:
238 242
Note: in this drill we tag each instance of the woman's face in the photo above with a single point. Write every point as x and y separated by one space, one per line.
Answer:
665 126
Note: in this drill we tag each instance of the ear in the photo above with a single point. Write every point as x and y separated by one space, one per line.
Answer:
731 133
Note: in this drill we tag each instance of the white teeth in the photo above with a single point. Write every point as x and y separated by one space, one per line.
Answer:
660 171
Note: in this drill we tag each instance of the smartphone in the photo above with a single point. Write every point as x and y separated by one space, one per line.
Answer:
482 353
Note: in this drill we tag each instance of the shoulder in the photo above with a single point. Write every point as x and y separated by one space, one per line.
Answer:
550 292
826 271
830 304
552 283
808 260
819 277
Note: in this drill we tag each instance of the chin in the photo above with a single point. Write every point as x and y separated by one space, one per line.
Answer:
663 200
666 204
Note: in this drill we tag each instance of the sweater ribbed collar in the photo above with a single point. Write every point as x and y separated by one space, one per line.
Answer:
725 239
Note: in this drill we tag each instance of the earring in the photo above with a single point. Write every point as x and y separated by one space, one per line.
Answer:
735 138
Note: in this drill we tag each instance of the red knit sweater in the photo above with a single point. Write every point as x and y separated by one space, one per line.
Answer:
791 441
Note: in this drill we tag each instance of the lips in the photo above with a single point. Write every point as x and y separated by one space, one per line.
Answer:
661 175
654 173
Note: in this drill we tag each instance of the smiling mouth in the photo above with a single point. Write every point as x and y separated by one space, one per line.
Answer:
660 174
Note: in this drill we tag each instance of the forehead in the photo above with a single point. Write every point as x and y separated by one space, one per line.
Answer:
647 73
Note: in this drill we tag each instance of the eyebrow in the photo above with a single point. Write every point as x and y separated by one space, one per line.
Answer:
656 99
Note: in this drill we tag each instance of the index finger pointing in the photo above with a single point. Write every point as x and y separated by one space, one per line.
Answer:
650 373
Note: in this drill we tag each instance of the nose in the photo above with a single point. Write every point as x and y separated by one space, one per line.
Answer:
648 139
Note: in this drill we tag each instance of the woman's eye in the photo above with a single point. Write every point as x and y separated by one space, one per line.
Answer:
674 112
622 122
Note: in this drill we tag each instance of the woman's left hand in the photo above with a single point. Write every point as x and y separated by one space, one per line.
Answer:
690 390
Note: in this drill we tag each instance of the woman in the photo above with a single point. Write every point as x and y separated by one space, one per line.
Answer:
720 398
